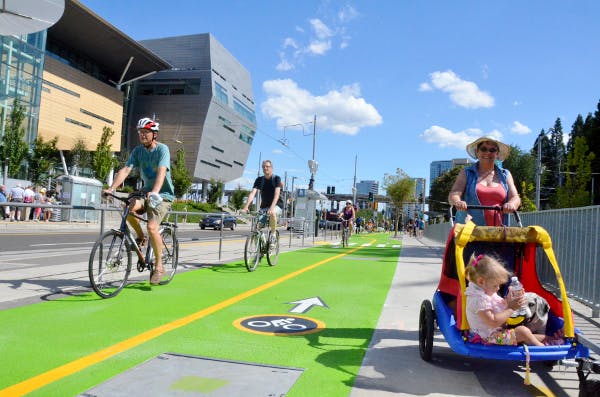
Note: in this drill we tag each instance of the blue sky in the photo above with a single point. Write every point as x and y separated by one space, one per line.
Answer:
398 84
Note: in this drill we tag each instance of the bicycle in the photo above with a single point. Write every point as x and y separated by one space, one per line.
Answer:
111 257
259 243
345 232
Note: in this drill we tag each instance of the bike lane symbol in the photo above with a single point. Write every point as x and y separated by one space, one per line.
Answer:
279 325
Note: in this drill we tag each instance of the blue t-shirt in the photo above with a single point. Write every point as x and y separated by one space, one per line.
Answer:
148 162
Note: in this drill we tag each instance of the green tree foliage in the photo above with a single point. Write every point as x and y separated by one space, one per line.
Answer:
522 168
182 179
79 157
574 192
103 160
238 198
13 147
44 156
400 189
527 194
440 188
215 192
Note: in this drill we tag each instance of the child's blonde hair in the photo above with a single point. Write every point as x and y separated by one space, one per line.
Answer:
486 267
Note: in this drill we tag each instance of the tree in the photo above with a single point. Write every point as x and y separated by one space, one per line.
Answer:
13 148
182 179
440 188
79 157
103 161
579 171
43 158
527 192
215 192
400 189
238 198
522 168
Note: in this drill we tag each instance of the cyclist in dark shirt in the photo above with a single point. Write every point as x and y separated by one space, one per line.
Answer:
269 186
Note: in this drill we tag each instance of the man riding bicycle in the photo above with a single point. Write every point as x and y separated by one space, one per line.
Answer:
153 160
269 186
348 214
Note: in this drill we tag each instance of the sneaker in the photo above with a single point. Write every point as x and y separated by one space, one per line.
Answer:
156 276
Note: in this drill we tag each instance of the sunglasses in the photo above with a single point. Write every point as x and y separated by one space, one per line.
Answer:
485 149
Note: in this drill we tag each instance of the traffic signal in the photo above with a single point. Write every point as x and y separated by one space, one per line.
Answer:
333 190
328 189
370 196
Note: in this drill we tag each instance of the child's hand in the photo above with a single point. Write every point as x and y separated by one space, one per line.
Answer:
515 303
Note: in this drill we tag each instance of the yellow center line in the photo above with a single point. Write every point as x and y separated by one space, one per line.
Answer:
34 383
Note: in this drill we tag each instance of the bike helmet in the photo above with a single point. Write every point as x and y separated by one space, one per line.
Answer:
147 124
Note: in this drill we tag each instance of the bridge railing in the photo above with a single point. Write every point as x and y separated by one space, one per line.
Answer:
575 234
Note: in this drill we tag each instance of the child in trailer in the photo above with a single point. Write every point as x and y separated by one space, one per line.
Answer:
487 312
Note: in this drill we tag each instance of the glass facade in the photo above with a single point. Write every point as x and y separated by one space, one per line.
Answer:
21 67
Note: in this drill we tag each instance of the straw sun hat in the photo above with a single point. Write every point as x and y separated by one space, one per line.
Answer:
503 148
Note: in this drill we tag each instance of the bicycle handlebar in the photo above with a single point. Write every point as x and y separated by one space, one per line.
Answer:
127 201
486 207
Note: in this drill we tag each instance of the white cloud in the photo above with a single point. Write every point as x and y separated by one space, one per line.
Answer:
462 92
319 38
277 151
444 137
520 129
423 87
320 30
289 42
319 47
343 111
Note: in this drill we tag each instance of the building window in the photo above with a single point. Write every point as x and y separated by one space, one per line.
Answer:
244 110
238 163
63 89
218 149
96 116
209 163
79 123
221 94
169 87
224 163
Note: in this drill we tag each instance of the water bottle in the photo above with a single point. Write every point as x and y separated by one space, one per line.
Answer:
516 290
154 199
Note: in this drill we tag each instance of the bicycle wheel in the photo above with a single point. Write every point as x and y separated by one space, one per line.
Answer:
170 254
344 237
252 252
110 264
273 252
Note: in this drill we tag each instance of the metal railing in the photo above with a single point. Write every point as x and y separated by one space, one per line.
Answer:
575 234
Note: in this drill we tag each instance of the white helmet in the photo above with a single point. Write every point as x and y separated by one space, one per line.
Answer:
147 124
349 202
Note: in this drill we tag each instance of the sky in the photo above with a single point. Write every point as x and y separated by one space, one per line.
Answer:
394 84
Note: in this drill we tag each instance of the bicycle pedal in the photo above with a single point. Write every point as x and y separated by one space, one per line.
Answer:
141 267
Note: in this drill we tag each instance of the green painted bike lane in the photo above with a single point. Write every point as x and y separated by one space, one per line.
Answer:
67 346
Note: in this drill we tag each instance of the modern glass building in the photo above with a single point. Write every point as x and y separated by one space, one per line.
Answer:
204 104
21 68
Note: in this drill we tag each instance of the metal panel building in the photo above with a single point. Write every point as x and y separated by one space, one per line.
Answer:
204 105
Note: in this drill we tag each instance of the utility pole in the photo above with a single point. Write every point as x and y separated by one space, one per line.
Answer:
312 164
354 183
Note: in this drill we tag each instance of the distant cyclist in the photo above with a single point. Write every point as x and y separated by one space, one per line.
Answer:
153 160
348 214
269 186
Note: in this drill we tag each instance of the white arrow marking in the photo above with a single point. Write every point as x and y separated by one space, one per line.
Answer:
304 305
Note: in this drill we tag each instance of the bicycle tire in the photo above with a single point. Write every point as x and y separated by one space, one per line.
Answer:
109 264
273 251
170 254
252 251
344 237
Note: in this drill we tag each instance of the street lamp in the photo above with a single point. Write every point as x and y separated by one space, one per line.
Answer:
313 165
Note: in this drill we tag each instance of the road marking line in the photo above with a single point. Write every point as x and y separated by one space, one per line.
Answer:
38 381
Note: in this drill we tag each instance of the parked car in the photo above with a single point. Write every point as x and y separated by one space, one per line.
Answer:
214 221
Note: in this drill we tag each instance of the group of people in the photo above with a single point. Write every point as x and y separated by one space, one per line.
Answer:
28 195
484 183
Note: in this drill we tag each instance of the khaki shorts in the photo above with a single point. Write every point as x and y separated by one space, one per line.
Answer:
157 214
